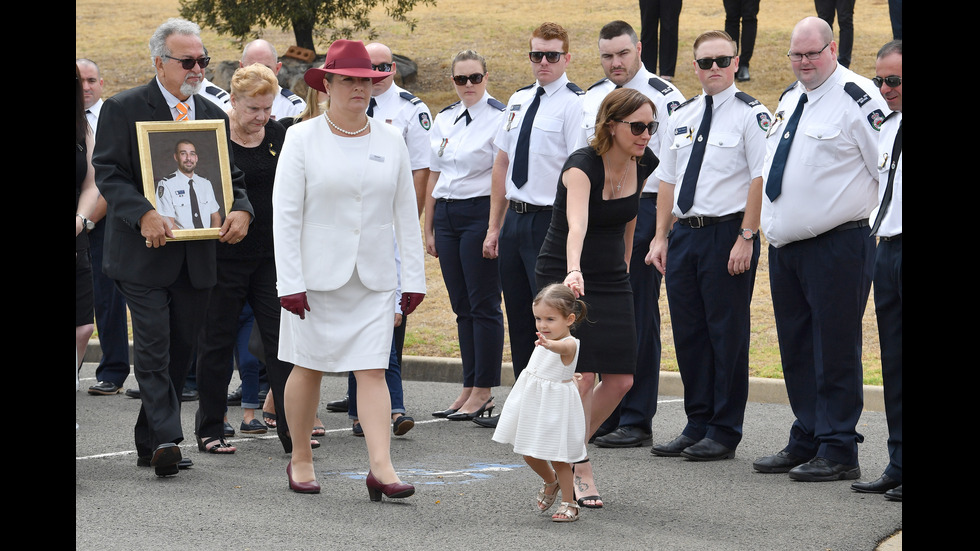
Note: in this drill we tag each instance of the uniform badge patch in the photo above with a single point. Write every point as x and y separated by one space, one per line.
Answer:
160 192
876 117
764 121
424 120
671 106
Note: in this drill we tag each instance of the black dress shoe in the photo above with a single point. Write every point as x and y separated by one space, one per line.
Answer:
488 422
229 430
625 437
188 395
235 398
742 74
708 450
821 469
674 447
338 406
133 393
781 462
165 459
184 463
895 494
602 431
879 486
104 388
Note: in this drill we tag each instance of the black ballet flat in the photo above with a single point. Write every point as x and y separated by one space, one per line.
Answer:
463 416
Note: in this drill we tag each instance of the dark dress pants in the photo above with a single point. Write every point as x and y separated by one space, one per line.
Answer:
742 22
888 309
110 317
166 323
520 242
845 23
710 318
253 280
639 405
820 289
663 15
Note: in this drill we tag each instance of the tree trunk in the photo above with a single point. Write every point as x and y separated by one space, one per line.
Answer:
303 33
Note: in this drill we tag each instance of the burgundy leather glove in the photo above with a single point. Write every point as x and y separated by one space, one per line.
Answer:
411 301
295 304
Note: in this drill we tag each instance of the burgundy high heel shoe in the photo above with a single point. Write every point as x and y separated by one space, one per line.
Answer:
393 490
312 487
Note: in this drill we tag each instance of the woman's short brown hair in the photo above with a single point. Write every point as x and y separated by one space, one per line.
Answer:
618 105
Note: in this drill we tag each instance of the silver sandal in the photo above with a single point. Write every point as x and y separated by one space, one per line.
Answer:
546 500
567 512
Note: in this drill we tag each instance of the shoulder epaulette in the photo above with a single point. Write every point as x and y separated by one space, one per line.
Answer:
752 102
574 88
598 82
526 87
216 92
496 104
686 102
172 175
450 106
788 88
660 85
408 96
890 115
293 98
857 93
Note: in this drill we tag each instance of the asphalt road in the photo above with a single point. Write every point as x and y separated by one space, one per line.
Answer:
472 493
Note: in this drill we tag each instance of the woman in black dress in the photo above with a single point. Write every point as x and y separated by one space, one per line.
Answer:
588 246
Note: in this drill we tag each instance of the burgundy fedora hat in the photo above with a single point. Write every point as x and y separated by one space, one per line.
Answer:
345 57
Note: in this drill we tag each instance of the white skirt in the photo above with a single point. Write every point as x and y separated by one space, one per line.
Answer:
348 329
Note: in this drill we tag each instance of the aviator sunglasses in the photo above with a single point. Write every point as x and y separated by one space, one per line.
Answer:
705 62
637 127
475 78
893 81
552 57
188 63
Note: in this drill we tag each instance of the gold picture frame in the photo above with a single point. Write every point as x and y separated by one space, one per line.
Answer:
167 150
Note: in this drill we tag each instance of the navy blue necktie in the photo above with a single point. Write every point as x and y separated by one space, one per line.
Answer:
686 198
519 175
464 115
370 111
886 199
774 185
195 208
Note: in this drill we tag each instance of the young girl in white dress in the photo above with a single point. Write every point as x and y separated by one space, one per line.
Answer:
543 416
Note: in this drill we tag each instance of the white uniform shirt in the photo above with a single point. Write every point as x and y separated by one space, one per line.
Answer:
665 96
462 153
733 157
411 117
892 223
216 95
831 173
555 133
92 114
287 104
174 200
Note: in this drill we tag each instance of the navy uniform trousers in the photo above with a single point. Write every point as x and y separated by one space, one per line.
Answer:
888 308
820 289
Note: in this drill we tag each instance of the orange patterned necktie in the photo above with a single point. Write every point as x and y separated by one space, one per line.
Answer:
182 112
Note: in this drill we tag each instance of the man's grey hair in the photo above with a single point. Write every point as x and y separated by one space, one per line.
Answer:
86 61
264 43
893 47
174 25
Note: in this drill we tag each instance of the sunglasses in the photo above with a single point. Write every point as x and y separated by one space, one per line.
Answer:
189 63
637 127
893 81
705 62
552 57
383 67
475 78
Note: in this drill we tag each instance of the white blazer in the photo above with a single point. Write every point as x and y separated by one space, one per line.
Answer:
332 213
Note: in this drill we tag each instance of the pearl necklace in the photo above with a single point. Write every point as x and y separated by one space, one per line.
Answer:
348 132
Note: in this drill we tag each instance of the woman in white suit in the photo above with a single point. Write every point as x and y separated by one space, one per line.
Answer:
342 185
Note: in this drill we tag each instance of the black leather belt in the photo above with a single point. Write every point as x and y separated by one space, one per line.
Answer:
522 208
470 199
851 225
702 221
890 237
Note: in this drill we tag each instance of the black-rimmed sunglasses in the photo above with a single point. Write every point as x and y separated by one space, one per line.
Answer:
552 57
637 127
705 62
383 67
190 62
893 81
475 78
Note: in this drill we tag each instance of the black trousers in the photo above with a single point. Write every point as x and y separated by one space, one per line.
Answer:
663 16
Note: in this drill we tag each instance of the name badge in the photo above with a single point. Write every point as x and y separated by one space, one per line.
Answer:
377 158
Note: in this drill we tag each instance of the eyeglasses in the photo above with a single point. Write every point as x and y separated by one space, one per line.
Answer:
893 81
637 127
552 57
190 62
809 55
705 62
383 67
475 78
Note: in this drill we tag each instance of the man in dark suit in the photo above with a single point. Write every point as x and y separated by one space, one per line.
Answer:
165 284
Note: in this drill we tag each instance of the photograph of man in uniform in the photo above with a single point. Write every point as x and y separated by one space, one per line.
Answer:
187 199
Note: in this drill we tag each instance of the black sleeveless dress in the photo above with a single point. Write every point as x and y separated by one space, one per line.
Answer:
608 334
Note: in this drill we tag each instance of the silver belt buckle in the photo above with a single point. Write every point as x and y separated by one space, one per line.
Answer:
520 207
697 221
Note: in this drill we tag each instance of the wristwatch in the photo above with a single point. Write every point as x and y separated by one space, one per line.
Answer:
86 223
748 234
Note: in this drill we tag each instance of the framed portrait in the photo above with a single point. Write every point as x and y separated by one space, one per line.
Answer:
187 175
